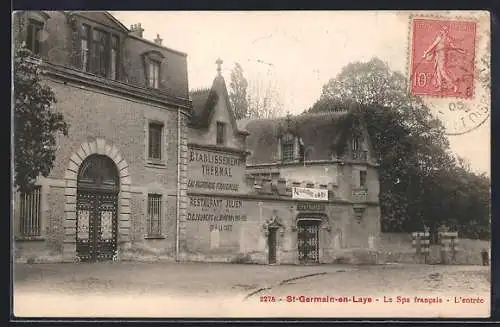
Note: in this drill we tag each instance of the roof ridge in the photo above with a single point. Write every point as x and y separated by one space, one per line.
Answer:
315 114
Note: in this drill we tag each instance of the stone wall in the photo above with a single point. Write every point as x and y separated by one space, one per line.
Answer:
342 238
397 248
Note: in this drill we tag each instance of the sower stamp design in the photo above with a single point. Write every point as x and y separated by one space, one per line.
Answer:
443 54
449 69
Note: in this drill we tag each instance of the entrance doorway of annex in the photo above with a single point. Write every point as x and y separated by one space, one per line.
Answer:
272 241
308 240
97 209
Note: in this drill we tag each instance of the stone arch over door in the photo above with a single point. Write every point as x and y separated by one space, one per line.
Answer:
86 149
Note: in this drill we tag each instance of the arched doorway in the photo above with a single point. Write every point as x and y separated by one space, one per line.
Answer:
97 209
308 240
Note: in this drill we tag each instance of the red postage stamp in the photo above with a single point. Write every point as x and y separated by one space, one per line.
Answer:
442 57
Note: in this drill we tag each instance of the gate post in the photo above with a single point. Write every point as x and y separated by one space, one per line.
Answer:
448 241
421 244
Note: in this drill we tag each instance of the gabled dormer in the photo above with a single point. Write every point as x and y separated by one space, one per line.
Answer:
97 40
213 122
30 29
290 145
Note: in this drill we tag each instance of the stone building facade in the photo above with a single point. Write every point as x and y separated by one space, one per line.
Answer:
152 171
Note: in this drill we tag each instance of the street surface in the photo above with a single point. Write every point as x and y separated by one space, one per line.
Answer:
232 290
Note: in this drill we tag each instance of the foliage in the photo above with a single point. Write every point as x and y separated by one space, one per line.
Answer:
421 183
256 98
238 92
35 123
264 100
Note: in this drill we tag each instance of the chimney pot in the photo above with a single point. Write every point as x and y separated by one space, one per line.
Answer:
136 29
158 40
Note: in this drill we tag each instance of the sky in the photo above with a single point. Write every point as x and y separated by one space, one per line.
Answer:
298 52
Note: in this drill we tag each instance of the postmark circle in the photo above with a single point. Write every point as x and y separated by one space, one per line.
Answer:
459 115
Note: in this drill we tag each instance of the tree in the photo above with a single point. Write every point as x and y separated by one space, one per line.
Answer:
238 92
254 98
35 123
421 183
264 100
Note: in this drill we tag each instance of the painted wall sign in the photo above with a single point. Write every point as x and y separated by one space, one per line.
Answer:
215 171
218 213
309 194
308 206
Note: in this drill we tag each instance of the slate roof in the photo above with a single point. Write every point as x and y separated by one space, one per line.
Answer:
318 132
204 101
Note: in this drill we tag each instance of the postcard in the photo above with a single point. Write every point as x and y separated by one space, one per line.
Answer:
251 164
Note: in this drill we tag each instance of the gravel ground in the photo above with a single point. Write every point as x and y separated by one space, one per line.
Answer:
225 290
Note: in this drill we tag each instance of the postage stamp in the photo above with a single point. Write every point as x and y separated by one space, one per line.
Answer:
443 54
449 68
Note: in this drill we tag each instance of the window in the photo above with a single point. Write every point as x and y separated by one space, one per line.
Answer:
154 214
221 133
355 144
114 57
287 152
99 60
362 178
30 213
154 141
33 36
154 74
153 61
99 52
85 48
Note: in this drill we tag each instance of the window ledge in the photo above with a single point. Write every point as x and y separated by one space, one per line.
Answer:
156 164
155 237
29 238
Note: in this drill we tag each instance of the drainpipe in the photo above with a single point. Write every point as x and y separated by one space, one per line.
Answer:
177 218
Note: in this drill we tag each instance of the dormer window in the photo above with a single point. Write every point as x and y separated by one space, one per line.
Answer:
287 151
287 147
154 74
113 72
99 58
99 51
33 37
355 144
85 47
221 133
153 61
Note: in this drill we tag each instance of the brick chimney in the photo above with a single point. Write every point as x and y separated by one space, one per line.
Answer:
158 40
136 30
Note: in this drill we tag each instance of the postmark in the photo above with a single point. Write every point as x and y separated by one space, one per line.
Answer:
449 69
